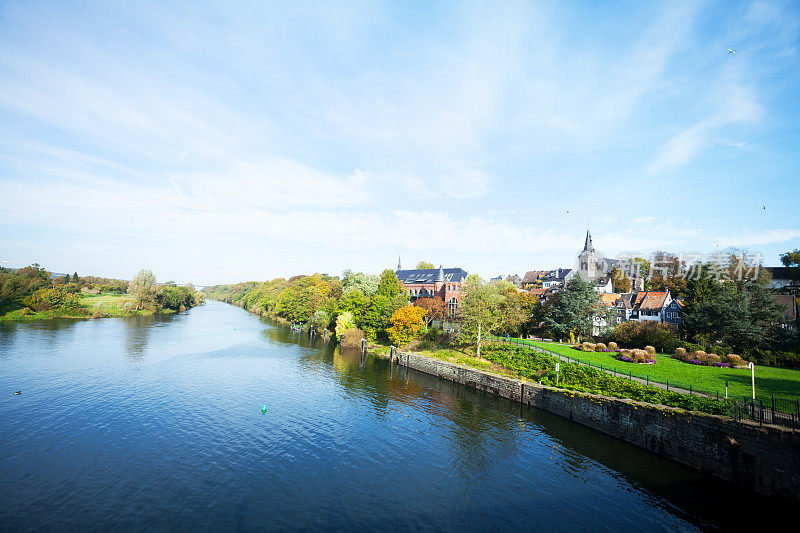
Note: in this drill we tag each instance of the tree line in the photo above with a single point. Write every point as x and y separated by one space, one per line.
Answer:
33 290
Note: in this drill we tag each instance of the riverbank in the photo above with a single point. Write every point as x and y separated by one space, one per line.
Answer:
91 306
763 459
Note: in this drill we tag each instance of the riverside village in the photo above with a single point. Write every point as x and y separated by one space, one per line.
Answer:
399 266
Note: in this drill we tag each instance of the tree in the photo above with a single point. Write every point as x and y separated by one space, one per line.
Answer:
433 307
740 314
644 271
574 309
792 261
389 285
480 309
76 279
354 301
343 323
66 279
424 265
619 281
668 275
142 288
320 320
366 283
407 322
516 308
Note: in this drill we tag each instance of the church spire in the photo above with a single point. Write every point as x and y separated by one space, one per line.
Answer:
587 246
398 263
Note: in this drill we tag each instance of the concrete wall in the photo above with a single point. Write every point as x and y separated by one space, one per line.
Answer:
764 459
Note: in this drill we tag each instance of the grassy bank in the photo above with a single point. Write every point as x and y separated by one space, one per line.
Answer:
781 382
522 363
103 305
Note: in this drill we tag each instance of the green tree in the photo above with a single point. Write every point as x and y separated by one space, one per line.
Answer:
792 260
366 283
320 320
480 309
354 301
574 309
343 323
740 314
76 279
424 265
644 270
66 279
389 285
142 288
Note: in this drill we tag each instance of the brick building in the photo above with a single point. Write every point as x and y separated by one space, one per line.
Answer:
442 283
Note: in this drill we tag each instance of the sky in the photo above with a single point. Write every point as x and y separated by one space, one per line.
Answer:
220 142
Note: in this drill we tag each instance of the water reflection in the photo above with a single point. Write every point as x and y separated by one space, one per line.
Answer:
137 331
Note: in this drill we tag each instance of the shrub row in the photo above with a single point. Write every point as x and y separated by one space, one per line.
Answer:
699 357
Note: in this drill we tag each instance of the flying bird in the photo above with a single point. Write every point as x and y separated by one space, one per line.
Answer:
731 50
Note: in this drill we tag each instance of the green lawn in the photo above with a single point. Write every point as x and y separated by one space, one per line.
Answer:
110 303
781 382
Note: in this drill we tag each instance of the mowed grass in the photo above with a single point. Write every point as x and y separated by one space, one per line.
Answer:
781 382
112 304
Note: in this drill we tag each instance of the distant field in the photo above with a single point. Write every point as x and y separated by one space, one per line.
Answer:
781 382
111 304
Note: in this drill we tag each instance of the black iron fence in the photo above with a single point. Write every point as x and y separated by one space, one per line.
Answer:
778 411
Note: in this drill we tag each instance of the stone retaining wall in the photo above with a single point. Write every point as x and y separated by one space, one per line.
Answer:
765 459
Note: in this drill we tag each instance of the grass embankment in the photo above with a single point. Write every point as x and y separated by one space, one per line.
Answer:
103 305
781 382
518 362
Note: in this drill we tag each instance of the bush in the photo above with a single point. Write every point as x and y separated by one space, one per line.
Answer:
351 338
660 336
734 360
600 347
650 349
680 352
588 347
776 358
613 346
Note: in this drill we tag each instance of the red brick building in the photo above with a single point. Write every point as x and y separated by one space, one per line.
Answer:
442 283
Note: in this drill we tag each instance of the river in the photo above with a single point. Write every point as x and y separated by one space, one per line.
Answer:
156 423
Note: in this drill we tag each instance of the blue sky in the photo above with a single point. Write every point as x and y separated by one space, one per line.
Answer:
217 143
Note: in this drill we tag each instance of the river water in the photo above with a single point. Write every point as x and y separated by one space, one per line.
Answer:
156 423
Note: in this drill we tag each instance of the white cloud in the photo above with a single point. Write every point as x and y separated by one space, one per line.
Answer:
760 237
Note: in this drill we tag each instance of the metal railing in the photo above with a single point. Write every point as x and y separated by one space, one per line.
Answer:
779 411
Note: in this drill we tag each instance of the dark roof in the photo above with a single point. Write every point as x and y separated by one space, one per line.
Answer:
557 274
429 275
587 246
780 272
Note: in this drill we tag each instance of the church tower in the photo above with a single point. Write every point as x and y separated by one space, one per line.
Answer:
588 259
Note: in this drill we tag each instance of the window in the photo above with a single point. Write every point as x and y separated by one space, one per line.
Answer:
452 306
